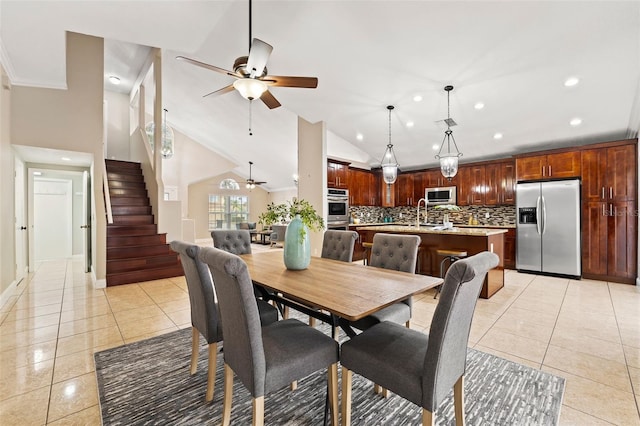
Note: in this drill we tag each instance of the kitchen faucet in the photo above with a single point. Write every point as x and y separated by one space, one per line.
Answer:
418 212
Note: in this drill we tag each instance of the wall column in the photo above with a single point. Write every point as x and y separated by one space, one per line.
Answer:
312 170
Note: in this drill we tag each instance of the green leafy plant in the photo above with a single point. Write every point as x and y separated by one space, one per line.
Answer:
281 213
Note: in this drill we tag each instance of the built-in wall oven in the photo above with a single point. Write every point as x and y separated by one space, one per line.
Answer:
337 208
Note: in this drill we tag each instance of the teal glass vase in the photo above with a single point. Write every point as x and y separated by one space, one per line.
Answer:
297 250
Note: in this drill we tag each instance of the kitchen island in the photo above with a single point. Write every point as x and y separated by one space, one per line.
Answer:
472 240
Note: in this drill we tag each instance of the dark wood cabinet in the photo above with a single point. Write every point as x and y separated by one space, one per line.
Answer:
510 249
508 183
477 184
404 190
463 186
337 174
499 188
609 206
363 188
556 165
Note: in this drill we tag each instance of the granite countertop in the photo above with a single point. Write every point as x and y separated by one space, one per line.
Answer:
404 229
457 225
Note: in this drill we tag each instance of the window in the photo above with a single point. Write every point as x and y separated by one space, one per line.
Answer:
225 211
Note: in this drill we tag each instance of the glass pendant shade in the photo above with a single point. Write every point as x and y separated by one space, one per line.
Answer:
166 137
389 166
449 165
389 163
449 160
250 88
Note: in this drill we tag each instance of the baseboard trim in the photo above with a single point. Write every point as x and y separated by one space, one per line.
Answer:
10 291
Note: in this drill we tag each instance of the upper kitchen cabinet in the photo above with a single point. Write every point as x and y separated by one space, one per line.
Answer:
553 165
363 187
404 190
500 180
609 173
434 179
337 174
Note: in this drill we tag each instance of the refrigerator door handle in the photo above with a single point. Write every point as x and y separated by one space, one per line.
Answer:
544 216
538 215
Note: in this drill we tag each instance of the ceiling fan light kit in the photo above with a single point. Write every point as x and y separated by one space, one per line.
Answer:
250 88
449 160
389 163
250 72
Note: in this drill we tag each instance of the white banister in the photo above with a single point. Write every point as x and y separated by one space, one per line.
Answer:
107 196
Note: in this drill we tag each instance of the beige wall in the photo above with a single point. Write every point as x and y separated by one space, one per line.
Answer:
191 162
71 120
199 201
312 169
279 197
7 211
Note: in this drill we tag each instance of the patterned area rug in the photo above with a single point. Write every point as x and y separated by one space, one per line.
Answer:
148 382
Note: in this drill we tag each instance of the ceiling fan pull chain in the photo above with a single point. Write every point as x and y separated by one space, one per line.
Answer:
250 103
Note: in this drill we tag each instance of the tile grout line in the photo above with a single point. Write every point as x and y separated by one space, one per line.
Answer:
624 353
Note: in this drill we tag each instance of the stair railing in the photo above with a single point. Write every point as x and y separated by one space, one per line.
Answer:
107 196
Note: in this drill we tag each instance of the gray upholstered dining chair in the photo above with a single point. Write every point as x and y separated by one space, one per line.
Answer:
277 235
399 253
419 367
267 358
236 241
338 245
205 317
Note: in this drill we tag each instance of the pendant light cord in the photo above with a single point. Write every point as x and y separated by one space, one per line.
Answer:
250 109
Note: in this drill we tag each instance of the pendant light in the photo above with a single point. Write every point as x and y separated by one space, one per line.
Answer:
449 161
166 149
389 163
166 137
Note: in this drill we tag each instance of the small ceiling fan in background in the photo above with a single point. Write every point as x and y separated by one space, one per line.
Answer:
251 183
250 72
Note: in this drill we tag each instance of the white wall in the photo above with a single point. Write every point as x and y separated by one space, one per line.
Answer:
7 209
117 112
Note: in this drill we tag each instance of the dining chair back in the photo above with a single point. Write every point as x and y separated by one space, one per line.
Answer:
264 358
277 234
338 245
205 318
236 241
398 253
419 367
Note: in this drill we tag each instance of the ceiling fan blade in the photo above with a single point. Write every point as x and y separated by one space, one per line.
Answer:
288 81
222 91
209 67
269 100
258 57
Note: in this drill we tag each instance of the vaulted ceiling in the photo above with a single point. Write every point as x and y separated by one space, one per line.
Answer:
513 57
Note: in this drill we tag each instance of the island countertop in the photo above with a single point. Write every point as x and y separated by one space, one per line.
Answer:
405 229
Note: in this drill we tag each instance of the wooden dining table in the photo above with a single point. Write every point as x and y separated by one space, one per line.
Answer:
348 291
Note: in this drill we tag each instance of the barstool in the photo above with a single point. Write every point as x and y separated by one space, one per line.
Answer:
450 255
366 247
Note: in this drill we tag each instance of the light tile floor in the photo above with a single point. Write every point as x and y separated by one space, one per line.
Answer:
585 331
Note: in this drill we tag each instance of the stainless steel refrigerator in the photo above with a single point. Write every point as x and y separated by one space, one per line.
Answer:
548 227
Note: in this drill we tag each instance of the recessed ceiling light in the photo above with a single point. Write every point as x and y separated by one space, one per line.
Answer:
114 80
409 123
65 159
435 147
576 121
417 98
359 136
497 136
37 173
571 81
478 105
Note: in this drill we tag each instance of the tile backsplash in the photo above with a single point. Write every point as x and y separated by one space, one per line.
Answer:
498 215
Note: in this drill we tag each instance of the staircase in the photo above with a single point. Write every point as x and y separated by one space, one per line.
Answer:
135 250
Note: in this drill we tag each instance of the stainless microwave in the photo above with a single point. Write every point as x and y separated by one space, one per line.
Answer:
443 195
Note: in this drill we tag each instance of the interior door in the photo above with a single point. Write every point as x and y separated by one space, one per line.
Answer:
20 221
86 215
52 218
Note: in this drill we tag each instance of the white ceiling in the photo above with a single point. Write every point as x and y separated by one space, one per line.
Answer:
512 56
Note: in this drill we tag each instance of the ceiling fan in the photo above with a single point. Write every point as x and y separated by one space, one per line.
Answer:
251 183
250 72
